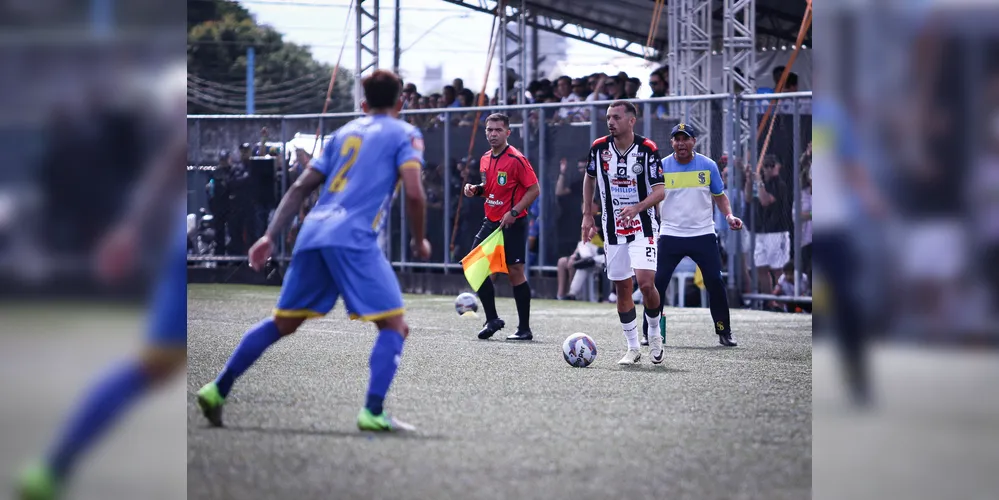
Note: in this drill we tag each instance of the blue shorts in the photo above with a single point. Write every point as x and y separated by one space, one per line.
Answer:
318 277
168 321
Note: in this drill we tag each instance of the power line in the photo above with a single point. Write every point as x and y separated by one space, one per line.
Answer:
335 6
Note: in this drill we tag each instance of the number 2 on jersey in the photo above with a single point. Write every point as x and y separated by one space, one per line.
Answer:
351 147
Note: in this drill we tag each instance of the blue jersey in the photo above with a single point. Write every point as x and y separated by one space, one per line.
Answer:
688 207
362 164
834 144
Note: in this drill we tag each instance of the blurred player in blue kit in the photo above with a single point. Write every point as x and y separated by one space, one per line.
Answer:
337 253
837 169
160 195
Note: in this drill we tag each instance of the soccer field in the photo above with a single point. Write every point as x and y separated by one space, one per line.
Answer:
503 420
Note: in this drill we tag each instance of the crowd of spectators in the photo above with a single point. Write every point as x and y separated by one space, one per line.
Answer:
565 89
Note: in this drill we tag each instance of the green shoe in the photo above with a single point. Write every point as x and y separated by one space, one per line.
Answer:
37 482
210 401
367 421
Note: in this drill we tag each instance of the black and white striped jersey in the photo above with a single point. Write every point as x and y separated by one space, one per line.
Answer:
625 178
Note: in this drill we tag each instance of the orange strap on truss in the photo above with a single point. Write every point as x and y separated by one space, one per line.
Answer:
478 114
329 91
806 23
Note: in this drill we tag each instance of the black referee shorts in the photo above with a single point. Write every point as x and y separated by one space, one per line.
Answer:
514 239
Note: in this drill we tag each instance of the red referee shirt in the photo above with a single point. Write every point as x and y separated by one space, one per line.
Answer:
507 177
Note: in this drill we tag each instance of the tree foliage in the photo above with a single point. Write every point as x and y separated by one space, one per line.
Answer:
287 78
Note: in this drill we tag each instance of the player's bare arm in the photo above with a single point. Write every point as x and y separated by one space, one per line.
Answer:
416 211
306 183
588 230
286 210
163 180
725 206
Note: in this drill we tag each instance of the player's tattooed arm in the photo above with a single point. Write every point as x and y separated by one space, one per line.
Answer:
416 203
292 201
163 181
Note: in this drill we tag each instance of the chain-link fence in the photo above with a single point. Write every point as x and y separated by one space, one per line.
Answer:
775 195
239 166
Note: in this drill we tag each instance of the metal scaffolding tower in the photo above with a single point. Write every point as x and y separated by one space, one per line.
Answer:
367 45
513 44
738 69
689 59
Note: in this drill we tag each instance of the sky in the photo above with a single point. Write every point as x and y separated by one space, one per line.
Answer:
459 42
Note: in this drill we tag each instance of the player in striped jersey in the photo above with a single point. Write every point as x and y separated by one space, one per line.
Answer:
627 170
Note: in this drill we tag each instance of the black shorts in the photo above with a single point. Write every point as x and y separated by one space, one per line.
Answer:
514 239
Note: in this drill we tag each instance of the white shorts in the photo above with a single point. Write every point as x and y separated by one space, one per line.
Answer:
622 259
772 250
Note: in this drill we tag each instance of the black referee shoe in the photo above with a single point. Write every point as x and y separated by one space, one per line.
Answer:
522 334
492 326
725 339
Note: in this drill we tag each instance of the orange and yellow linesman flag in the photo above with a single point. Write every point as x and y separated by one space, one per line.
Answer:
486 259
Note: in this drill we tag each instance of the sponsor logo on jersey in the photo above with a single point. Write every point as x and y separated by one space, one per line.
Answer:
334 212
637 168
624 190
700 177
625 182
501 178
605 155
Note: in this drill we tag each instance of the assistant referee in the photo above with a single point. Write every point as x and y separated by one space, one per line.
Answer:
510 187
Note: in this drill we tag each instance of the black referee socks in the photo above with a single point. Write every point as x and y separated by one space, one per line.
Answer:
522 295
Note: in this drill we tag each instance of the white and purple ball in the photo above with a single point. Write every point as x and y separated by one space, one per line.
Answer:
579 350
466 302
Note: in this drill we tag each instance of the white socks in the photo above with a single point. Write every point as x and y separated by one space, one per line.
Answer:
631 333
655 336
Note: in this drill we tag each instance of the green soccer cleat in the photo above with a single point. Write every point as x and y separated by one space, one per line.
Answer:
38 482
367 421
210 401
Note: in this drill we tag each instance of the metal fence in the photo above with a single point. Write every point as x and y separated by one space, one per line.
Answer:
555 138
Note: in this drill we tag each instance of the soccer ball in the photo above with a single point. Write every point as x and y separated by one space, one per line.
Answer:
579 350
464 303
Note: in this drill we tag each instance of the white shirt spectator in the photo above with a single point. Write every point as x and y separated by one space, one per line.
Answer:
593 97
568 113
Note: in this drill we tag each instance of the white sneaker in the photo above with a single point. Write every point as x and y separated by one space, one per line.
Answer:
632 357
656 352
